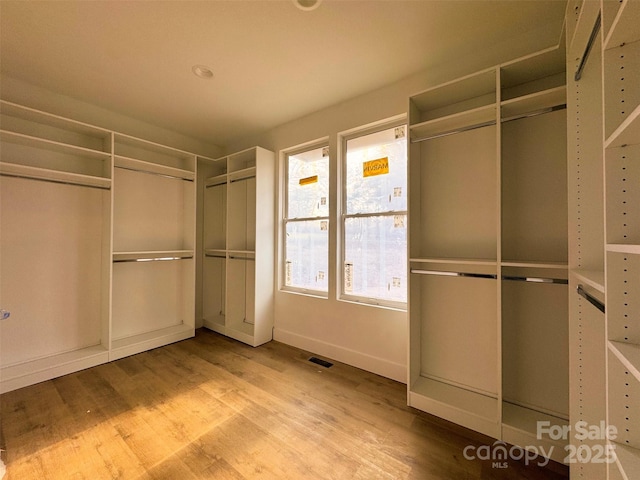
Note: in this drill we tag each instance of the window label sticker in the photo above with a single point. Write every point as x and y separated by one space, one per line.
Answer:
397 191
320 276
308 180
348 277
396 282
379 166
287 280
324 225
398 221
323 200
399 132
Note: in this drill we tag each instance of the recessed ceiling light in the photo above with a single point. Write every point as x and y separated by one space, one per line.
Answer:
202 71
307 4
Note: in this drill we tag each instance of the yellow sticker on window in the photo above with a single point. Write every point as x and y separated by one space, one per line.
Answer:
308 180
379 166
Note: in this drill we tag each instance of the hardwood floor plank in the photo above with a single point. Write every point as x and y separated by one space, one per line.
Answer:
211 407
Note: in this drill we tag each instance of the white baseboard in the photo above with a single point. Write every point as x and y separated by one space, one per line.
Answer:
379 366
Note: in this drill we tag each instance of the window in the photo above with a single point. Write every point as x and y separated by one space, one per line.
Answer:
306 222
374 217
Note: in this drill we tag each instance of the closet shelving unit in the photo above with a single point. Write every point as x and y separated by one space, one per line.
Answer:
237 270
55 214
587 328
488 223
98 244
153 290
621 92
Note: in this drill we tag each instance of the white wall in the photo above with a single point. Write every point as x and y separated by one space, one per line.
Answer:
371 338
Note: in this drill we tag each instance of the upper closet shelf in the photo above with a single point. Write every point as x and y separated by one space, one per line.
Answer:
135 148
621 248
628 133
534 103
625 25
457 261
242 174
629 356
51 145
215 181
55 176
535 264
593 278
152 168
455 123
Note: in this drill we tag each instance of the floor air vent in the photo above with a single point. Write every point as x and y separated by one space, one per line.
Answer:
319 361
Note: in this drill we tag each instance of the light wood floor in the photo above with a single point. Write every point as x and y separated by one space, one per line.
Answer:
210 407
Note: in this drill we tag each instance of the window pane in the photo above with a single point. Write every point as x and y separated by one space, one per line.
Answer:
308 184
376 257
371 187
307 255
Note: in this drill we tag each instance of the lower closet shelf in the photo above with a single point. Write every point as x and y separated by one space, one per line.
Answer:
218 325
520 427
467 408
628 460
23 374
142 342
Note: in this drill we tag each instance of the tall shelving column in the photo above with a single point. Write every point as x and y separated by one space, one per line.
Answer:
534 244
153 281
454 346
239 246
587 328
621 64
55 238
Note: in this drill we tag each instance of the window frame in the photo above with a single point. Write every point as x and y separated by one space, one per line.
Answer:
322 143
343 138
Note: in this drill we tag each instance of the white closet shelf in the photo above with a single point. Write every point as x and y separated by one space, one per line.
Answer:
20 375
464 407
217 180
451 124
150 167
520 427
242 174
241 253
593 278
123 347
215 252
534 102
628 460
629 356
49 119
628 133
625 25
142 256
535 264
151 146
455 261
623 248
43 143
24 171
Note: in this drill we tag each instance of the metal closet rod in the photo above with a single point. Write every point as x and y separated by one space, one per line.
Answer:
61 182
520 116
590 298
444 273
587 50
165 175
157 259
210 255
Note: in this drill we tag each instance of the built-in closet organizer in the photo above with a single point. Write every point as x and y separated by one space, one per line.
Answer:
621 140
488 250
98 245
603 72
153 289
55 245
238 239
